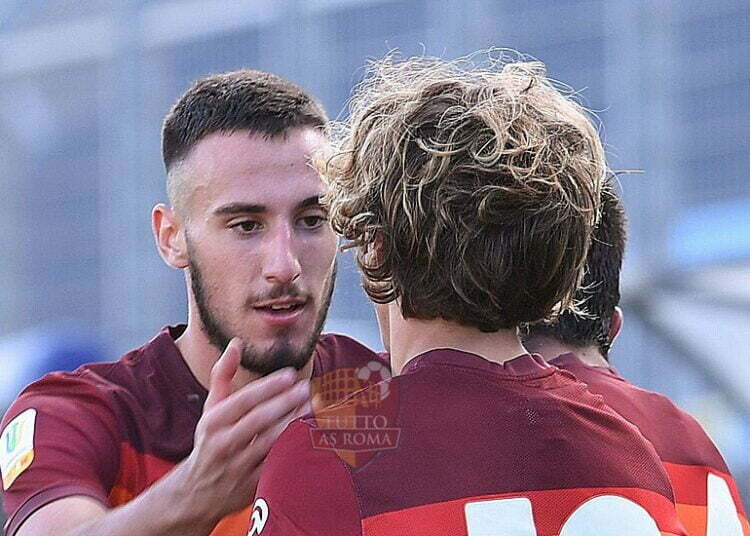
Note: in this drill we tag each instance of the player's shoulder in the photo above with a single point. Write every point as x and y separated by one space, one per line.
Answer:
597 441
336 351
318 498
62 411
293 441
615 389
60 389
667 419
63 408
566 403
93 387
660 405
573 400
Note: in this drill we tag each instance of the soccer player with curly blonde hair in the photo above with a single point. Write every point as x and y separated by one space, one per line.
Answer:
470 193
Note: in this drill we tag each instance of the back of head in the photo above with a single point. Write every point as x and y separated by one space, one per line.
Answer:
255 101
471 191
600 290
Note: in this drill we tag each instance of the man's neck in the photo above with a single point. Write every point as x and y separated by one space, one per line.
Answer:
411 337
550 348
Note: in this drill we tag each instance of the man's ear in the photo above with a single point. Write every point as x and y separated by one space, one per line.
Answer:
615 324
169 235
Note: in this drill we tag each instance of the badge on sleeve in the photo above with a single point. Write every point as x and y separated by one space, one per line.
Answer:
17 446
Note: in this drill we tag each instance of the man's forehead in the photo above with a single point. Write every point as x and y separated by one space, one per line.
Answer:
244 168
242 149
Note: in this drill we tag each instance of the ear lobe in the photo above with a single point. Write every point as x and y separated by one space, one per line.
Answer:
169 235
615 324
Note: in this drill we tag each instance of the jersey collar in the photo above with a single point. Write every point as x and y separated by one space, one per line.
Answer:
570 361
524 365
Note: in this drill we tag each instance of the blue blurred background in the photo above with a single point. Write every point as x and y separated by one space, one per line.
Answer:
84 86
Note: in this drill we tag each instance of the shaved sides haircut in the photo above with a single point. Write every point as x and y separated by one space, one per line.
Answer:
254 101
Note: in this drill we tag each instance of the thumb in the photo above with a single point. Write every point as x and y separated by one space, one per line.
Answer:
220 384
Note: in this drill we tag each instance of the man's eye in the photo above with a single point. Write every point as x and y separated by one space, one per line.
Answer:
312 222
247 226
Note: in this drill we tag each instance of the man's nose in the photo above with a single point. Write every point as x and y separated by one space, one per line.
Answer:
281 264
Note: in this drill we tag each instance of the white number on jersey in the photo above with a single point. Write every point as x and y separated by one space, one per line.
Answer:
606 515
722 515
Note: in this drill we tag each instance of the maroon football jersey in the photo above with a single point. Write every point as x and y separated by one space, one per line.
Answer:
707 497
110 430
459 445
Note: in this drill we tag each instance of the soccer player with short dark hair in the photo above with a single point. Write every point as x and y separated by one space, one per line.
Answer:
170 438
708 501
471 195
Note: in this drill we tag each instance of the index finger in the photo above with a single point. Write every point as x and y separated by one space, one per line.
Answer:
244 400
220 384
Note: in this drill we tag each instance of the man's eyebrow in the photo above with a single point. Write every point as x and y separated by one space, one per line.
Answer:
252 208
309 202
239 208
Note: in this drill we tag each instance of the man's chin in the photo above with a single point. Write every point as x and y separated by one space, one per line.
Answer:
272 357
275 348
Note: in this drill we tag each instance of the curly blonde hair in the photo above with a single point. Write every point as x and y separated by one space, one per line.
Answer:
470 190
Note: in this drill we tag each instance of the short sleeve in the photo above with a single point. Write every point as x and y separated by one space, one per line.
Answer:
304 491
59 439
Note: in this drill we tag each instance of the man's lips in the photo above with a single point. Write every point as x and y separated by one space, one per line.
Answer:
280 312
279 303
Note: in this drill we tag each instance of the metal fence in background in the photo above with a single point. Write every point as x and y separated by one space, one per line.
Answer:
84 87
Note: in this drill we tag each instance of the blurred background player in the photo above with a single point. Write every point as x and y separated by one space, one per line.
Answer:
85 452
471 194
708 501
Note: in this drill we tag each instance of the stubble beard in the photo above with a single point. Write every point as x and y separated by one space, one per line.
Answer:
281 353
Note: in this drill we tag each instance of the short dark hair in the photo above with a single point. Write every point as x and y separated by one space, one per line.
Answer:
259 102
600 292
477 188
256 101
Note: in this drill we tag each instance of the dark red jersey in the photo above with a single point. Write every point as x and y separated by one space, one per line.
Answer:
110 430
708 500
460 446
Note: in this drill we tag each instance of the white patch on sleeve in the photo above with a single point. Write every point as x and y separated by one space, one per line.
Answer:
17 446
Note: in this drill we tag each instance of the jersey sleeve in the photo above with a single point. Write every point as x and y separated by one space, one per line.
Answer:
304 491
703 486
59 439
